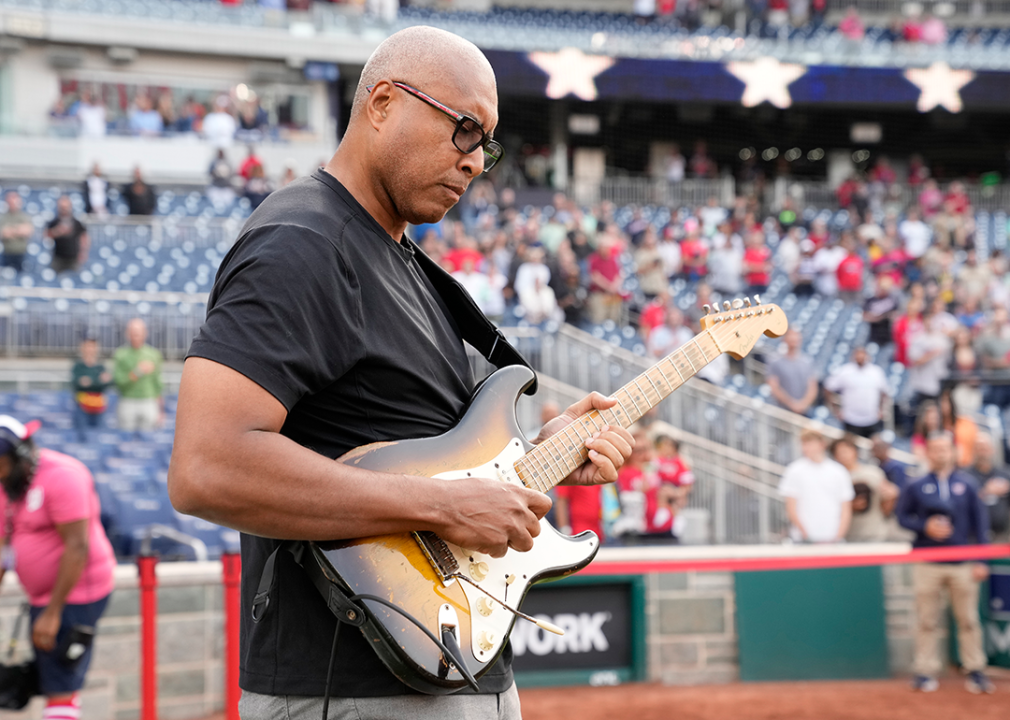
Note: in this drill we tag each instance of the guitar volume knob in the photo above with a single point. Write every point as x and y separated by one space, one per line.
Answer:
479 570
486 640
485 606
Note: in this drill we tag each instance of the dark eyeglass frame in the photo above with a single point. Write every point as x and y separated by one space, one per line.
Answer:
493 150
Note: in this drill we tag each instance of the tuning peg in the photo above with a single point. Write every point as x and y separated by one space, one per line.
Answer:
737 304
746 302
757 299
726 305
708 309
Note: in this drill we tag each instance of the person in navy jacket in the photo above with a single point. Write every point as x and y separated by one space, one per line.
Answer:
944 509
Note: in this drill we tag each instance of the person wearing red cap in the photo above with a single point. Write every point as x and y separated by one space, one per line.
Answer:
53 539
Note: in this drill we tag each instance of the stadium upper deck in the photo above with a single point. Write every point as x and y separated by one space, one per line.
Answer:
974 41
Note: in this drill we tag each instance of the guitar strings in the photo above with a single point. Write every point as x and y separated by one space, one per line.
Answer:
718 334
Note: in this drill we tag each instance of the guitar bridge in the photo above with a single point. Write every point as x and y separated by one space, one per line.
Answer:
438 554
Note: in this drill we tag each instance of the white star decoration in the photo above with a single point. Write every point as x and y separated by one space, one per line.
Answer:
571 72
766 79
939 86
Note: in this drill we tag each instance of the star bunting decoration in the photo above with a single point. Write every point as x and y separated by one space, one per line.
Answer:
571 71
939 86
766 79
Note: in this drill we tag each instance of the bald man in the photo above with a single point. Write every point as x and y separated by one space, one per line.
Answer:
322 335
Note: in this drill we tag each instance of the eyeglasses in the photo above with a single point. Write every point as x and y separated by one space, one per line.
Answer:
468 135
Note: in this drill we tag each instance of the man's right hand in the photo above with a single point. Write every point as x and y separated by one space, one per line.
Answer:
490 516
938 527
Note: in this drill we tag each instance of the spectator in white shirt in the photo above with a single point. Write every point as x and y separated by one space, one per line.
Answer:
219 126
826 262
664 339
929 359
915 234
857 393
475 282
818 493
91 116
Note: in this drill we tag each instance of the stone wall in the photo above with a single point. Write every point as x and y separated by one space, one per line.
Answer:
190 645
692 628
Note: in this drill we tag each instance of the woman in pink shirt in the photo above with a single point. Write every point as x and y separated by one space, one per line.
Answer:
53 539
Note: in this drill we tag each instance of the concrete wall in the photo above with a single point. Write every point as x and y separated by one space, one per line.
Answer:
691 621
190 646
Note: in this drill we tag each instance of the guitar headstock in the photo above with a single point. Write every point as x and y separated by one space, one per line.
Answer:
741 322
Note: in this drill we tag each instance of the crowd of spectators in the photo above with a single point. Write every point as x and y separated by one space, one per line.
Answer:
223 120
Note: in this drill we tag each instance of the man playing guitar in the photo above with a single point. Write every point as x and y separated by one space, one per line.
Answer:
323 335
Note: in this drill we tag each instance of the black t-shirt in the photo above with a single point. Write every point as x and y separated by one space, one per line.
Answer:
880 331
66 234
320 307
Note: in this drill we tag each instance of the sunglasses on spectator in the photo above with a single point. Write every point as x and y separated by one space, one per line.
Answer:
468 135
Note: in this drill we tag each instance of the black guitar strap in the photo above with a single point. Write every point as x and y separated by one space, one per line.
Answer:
472 324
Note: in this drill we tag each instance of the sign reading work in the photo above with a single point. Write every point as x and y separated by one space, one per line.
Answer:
602 621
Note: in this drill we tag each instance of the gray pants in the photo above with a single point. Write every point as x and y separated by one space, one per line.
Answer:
503 706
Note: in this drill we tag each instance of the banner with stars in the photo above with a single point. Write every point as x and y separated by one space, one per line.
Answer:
575 75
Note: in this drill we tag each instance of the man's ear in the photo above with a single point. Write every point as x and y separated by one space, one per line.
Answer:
378 102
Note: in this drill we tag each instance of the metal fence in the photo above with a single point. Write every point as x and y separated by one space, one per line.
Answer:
734 498
53 327
638 190
819 194
975 9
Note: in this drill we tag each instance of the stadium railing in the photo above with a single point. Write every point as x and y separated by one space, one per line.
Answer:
817 193
734 500
642 190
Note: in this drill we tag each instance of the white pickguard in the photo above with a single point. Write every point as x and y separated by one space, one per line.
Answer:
489 621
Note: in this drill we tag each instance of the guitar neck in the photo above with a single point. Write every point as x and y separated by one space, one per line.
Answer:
558 456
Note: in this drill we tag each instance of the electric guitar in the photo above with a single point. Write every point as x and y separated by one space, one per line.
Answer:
467 599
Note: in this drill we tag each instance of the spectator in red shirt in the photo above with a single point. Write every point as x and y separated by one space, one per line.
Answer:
466 250
673 469
577 508
851 25
917 171
702 166
912 31
905 327
891 262
959 201
606 280
883 172
653 314
648 505
819 234
930 199
850 272
846 191
757 263
693 252
251 161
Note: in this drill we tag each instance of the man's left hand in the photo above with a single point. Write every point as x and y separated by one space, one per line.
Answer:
608 449
979 572
44 631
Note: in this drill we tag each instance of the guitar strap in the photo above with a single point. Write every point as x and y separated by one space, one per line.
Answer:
477 330
472 324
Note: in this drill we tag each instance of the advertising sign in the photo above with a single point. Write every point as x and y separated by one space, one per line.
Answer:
604 641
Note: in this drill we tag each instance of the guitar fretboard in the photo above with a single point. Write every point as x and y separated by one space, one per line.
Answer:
558 456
